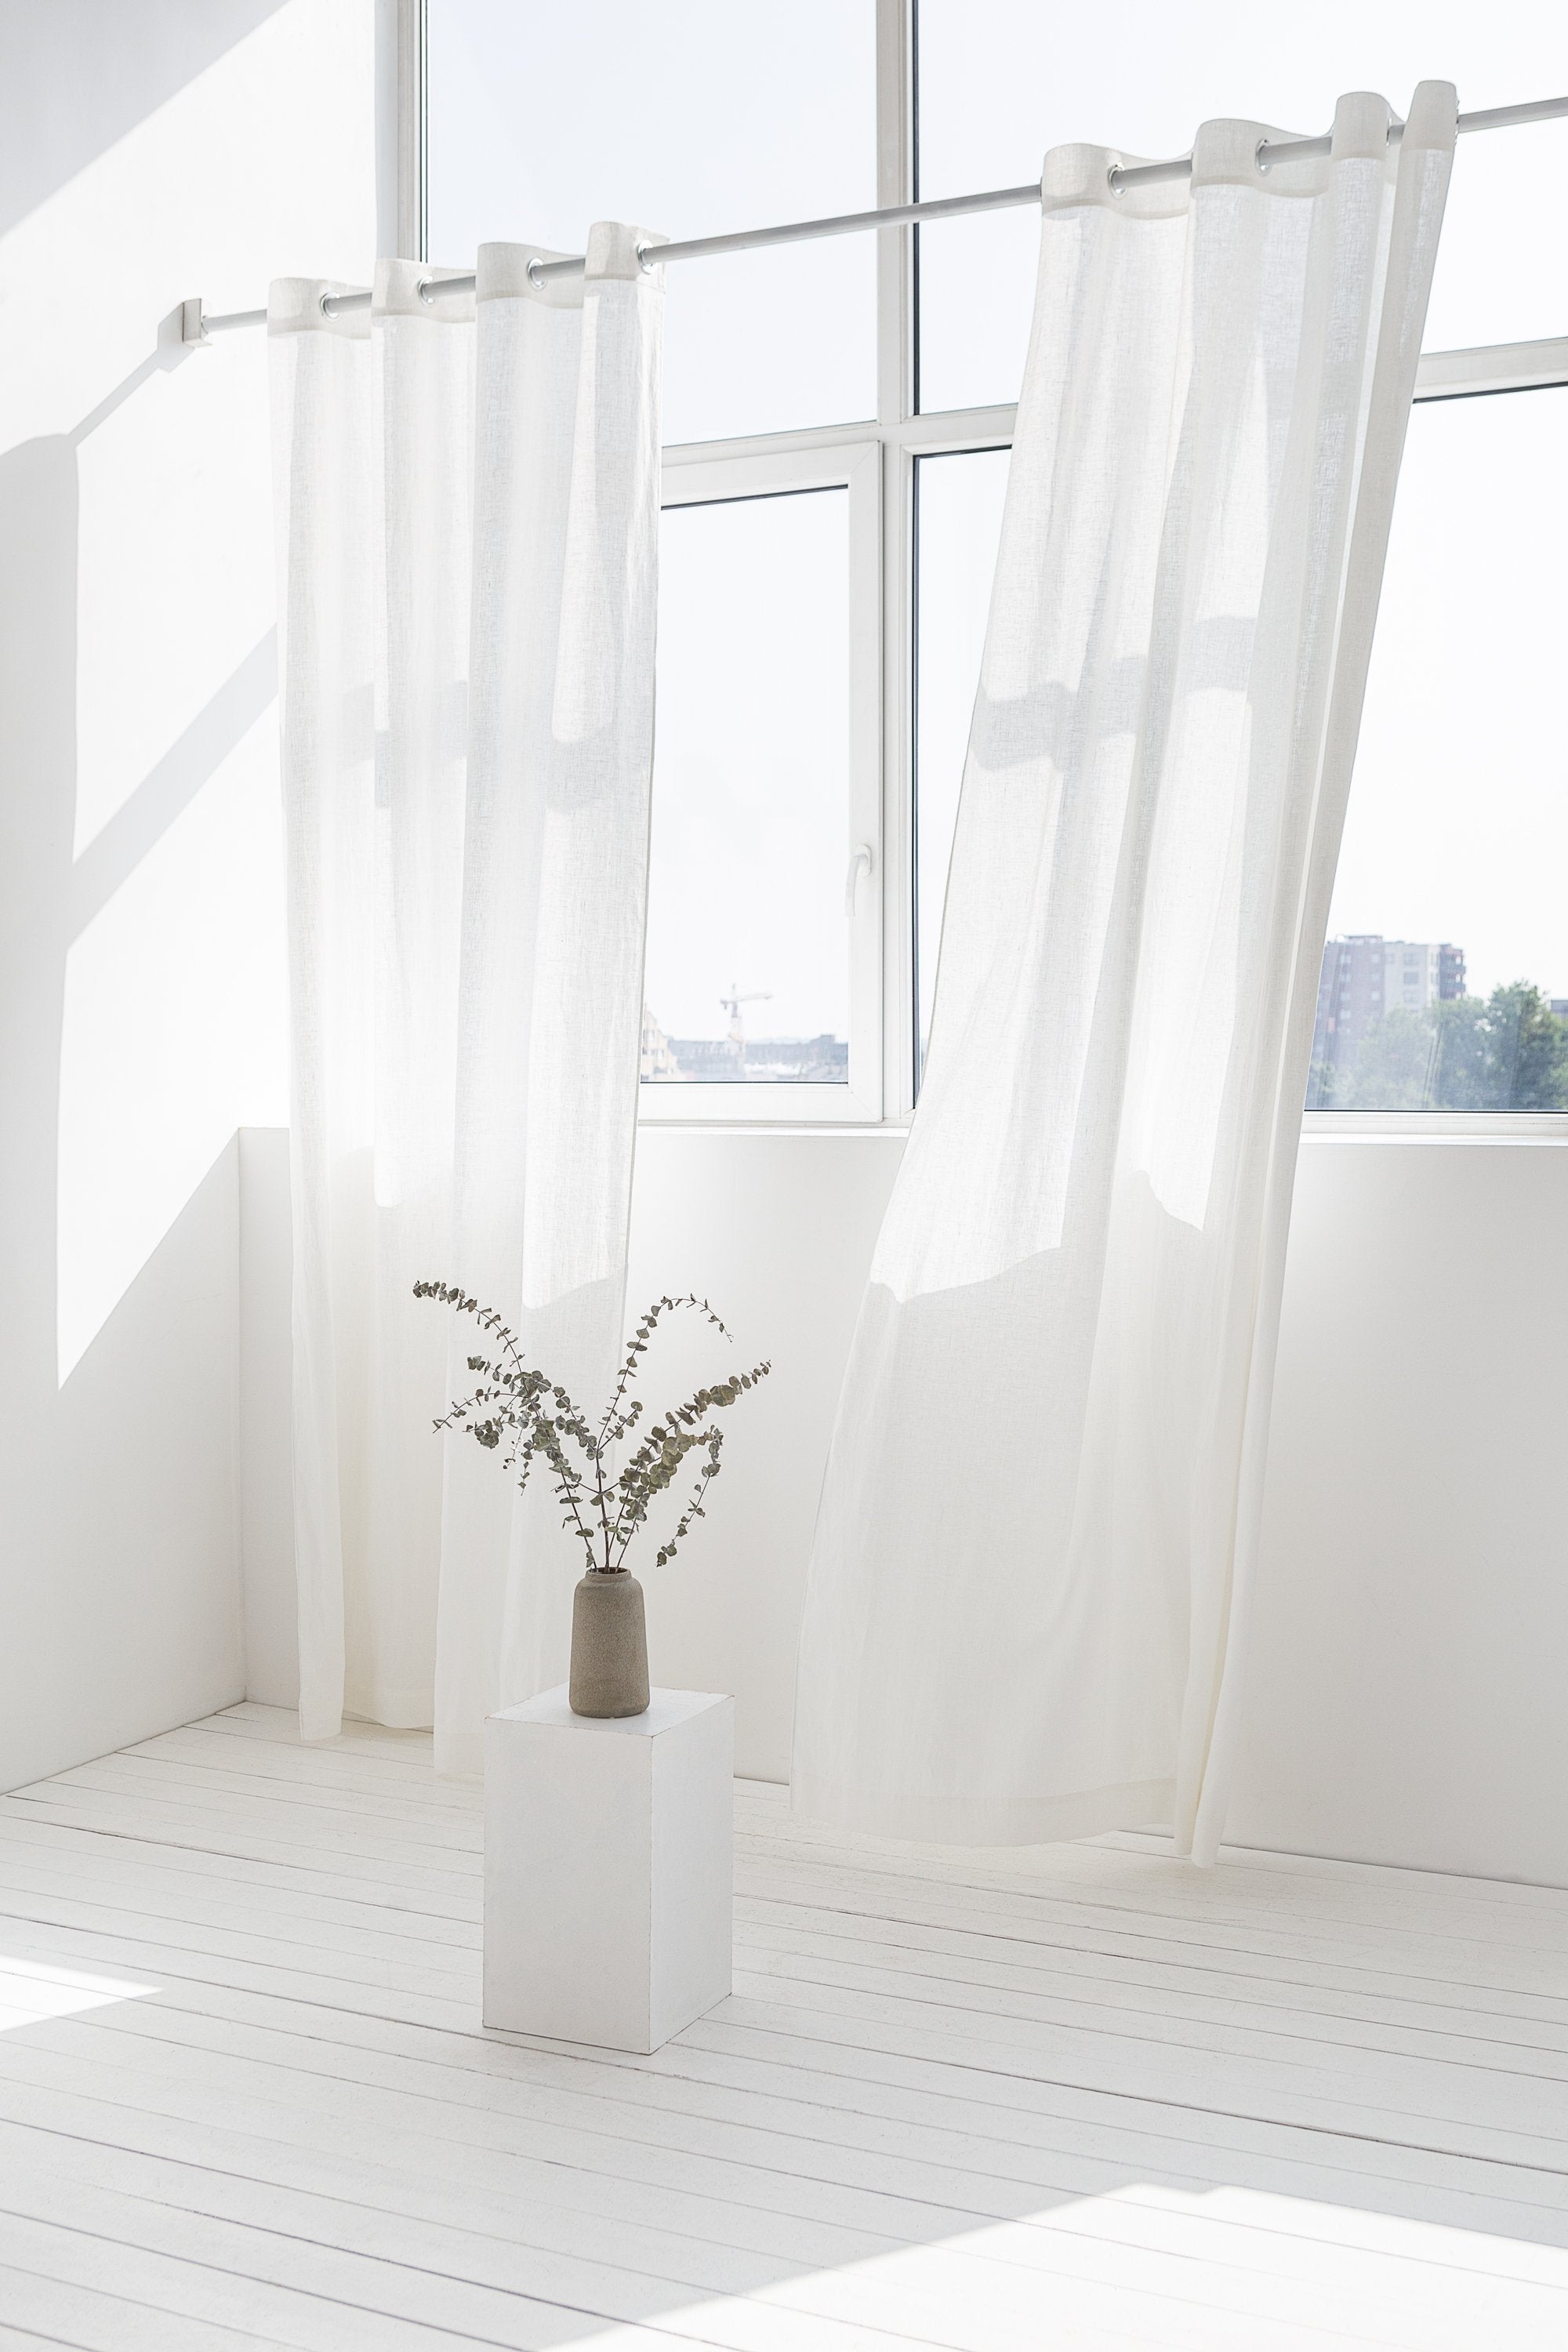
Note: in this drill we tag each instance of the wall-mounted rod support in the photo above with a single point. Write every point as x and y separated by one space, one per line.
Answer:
199 326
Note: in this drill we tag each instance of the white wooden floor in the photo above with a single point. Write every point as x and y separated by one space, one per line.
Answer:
1098 2100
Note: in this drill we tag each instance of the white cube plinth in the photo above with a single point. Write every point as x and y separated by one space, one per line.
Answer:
608 1868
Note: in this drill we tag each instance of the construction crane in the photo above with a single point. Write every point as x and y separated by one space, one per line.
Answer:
732 1005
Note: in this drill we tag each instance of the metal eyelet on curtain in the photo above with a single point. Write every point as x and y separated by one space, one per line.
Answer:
644 264
530 271
425 289
1261 154
1113 181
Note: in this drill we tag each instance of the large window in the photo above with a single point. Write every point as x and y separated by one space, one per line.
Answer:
838 416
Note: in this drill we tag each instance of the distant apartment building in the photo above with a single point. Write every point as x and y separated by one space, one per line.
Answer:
1365 976
821 1061
657 1059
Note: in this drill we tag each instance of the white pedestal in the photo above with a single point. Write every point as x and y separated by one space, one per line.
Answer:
608 1868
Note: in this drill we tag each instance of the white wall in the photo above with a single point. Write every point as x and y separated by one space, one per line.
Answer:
265 1447
1404 1702
149 149
1406 1692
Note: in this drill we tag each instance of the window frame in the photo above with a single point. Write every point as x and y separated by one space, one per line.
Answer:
883 613
692 477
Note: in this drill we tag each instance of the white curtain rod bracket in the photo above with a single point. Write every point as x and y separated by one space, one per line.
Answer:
198 328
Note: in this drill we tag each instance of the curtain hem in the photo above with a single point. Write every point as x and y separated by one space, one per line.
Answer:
391 1710
918 1819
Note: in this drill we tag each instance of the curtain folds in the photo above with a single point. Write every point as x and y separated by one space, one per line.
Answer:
1039 1529
467 499
560 769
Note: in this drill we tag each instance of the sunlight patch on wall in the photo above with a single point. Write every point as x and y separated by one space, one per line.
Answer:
173 482
172 1029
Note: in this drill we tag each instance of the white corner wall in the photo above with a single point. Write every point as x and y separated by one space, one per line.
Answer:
151 150
266 1452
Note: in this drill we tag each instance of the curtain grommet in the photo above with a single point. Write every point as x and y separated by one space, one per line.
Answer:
1260 156
425 289
530 272
1113 180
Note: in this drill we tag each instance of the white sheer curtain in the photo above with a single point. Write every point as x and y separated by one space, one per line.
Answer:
1040 1525
468 521
561 759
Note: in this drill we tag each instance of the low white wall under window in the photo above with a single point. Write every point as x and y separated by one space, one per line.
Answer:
1404 1700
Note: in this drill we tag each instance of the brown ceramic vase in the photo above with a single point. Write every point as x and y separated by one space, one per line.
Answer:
609 1647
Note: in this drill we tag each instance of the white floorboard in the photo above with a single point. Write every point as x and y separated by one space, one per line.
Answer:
1081 2097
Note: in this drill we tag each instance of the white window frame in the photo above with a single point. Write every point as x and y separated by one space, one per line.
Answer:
692 478
882 611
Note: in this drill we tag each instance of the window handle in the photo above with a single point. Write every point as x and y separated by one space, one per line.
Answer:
860 860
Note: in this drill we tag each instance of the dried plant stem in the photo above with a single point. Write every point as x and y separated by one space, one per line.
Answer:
539 1419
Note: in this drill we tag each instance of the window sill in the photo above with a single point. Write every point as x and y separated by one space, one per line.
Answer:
1517 1127
854 1129
1437 1126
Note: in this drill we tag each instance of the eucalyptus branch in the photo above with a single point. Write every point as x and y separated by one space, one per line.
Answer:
517 1402
637 1348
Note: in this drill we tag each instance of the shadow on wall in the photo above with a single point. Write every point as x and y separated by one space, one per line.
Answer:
119 1572
86 933
38 694
152 149
115 85
120 1581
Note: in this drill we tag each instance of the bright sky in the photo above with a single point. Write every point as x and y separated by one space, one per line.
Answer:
687 120
751 827
1002 80
1459 818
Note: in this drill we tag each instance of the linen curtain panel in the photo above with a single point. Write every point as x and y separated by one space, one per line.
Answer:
1040 1525
468 504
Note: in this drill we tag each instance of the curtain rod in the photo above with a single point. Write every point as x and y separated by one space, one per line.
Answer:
197 326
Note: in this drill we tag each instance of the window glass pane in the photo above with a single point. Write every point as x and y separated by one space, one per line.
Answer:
1445 984
748 942
689 118
1001 80
1446 970
958 520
